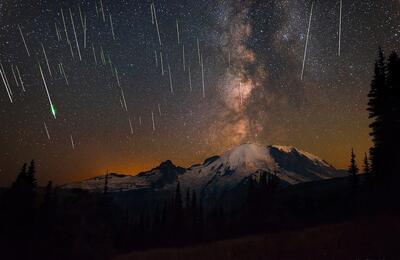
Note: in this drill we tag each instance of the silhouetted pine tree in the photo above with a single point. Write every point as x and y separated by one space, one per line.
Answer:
353 169
378 111
194 200
188 199
366 167
178 198
393 83
48 196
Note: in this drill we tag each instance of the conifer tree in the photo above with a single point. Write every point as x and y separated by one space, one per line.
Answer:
178 197
353 169
366 167
377 108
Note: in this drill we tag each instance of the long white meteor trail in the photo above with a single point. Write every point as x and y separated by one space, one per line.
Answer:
190 80
6 79
170 79
103 58
63 73
76 37
130 125
102 10
162 64
5 85
20 78
340 25
57 32
80 15
84 32
112 27
123 98
65 25
94 54
116 75
202 75
47 60
198 50
159 109
308 34
23 39
152 119
72 143
152 14
183 57
158 30
177 31
47 131
53 110
15 76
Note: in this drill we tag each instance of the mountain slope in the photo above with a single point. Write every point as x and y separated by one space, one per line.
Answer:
218 175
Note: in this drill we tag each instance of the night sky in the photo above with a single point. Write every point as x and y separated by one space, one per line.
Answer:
252 55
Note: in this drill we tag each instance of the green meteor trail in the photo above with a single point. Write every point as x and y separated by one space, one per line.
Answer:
53 110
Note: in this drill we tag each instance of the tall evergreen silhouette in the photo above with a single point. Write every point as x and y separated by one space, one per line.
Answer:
393 83
383 108
178 198
366 166
353 169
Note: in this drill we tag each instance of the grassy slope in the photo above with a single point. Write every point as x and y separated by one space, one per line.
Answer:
364 238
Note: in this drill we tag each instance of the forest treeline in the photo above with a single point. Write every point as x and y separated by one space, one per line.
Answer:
53 223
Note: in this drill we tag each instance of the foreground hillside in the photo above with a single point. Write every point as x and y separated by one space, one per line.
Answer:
374 237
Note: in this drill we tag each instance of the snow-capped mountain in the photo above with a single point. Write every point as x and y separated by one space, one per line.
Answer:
218 175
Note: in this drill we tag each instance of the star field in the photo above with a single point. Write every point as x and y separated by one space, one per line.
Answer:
252 53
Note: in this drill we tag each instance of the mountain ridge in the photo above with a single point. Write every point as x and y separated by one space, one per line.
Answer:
219 174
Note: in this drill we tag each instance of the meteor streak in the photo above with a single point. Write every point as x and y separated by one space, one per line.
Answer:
102 10
76 37
72 143
5 84
177 31
57 32
162 64
63 73
112 27
65 25
198 50
52 108
170 79
190 80
158 30
94 54
47 131
340 25
183 57
15 76
152 119
159 109
152 14
47 61
84 33
23 39
123 98
130 125
202 75
20 78
308 34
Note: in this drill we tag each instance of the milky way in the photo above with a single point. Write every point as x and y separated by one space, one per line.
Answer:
133 83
